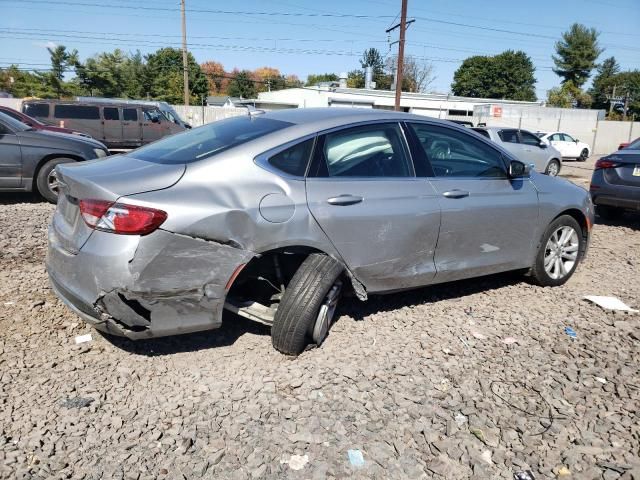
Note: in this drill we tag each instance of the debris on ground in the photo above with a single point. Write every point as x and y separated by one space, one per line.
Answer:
355 458
571 332
83 338
296 462
610 303
77 402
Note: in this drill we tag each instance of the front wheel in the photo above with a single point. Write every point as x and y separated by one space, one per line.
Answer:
308 305
47 179
584 154
553 169
559 252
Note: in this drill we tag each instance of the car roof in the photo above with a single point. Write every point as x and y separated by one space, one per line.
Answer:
329 117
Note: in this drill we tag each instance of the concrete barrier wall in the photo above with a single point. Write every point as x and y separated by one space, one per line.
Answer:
610 134
197 116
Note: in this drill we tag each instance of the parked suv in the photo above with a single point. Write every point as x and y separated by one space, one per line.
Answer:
28 157
526 147
273 215
117 125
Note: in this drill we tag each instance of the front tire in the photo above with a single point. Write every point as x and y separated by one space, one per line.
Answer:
583 155
47 179
553 169
310 298
559 252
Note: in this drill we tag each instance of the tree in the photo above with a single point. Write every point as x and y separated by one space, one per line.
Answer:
242 84
164 76
509 75
372 58
577 53
293 81
606 70
628 86
355 79
316 78
216 77
20 83
104 74
61 61
416 76
568 95
270 79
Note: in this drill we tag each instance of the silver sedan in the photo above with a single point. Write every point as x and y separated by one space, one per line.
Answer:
275 216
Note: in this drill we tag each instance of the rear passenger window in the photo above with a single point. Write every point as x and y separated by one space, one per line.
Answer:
509 136
369 151
293 160
130 114
78 112
529 139
452 153
36 109
111 113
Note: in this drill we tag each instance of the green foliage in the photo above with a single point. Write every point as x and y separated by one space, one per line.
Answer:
568 95
577 53
242 84
509 75
372 58
61 62
599 90
164 77
628 85
316 78
24 84
355 79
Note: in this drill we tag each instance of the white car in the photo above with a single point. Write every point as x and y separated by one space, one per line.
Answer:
568 146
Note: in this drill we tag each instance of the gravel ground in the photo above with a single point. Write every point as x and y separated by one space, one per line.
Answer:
476 379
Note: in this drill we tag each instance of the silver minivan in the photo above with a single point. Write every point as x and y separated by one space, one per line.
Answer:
117 125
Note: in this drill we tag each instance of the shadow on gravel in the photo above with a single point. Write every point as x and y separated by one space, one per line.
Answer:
233 327
431 294
628 220
20 197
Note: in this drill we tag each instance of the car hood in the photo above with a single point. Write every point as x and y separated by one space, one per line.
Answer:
61 140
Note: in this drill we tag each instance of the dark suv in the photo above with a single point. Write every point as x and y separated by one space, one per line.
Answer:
28 157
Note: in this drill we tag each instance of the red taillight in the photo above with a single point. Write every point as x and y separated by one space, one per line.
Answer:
121 218
604 163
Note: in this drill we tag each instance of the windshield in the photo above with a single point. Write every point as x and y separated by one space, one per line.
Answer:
13 124
208 140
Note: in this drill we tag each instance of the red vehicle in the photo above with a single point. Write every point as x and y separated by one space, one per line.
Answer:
36 124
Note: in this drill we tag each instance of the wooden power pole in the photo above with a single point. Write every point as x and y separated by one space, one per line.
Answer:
185 59
400 64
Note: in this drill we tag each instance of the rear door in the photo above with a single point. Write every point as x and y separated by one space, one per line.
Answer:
81 118
112 126
131 127
10 158
487 218
382 219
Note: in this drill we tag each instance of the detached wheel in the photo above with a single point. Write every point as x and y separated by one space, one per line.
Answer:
607 212
584 154
308 305
47 179
553 169
559 252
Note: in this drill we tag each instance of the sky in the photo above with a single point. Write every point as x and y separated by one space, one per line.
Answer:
303 36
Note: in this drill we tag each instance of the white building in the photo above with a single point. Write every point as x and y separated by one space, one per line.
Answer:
428 104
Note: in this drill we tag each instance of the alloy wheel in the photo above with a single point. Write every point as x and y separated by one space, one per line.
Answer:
561 252
326 313
52 181
553 169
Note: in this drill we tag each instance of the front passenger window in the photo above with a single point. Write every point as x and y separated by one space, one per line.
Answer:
458 154
529 139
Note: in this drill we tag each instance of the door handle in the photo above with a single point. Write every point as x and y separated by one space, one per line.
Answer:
344 199
456 194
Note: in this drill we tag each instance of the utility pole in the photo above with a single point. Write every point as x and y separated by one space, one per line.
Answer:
611 101
185 61
400 63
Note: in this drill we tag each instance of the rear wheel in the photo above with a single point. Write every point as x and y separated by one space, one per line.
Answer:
308 305
584 154
553 169
47 179
607 212
559 252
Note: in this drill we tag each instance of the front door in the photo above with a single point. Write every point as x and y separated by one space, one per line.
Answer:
381 218
153 128
535 150
570 146
487 218
131 127
10 158
112 126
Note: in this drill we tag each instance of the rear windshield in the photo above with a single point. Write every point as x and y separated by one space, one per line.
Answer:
635 145
206 141
482 132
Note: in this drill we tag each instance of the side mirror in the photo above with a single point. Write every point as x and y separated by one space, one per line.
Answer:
542 145
576 140
519 169
155 119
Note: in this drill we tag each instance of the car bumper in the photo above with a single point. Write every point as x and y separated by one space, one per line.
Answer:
143 287
620 196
